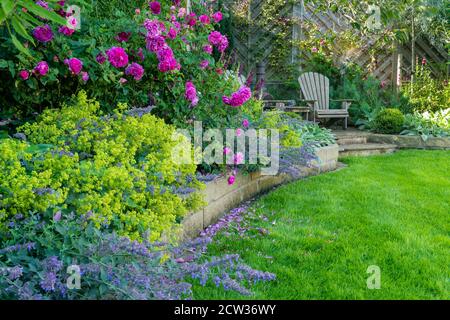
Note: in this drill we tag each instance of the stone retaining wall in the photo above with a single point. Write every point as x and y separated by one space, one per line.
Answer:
222 197
410 142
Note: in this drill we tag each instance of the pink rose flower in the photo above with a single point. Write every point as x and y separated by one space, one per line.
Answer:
66 30
135 70
238 158
314 49
217 39
75 65
181 12
84 76
204 19
100 58
41 68
117 57
217 17
137 11
231 180
24 74
226 151
238 98
172 34
245 123
204 64
191 19
123 36
155 7
208 49
43 33
238 132
191 93
123 80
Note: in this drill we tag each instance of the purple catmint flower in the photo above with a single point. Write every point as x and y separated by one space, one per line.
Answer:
43 33
57 216
15 273
75 65
49 282
41 68
117 57
135 70
24 74
238 98
53 264
155 7
217 17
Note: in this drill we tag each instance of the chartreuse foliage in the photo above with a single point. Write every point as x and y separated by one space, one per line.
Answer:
116 170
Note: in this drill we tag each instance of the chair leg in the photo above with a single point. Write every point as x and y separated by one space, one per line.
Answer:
345 123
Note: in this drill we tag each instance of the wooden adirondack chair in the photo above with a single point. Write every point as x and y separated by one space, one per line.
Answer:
316 91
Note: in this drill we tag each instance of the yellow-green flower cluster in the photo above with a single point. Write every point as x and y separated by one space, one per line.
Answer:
116 170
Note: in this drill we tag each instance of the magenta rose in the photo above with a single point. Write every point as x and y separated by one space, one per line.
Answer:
217 17
41 68
155 7
100 58
66 30
191 93
123 36
24 74
135 70
43 33
204 19
238 98
117 57
84 76
75 65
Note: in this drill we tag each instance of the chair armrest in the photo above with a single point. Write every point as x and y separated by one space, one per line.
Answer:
345 102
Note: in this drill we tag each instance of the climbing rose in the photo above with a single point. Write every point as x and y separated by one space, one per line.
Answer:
84 76
100 58
238 132
217 17
155 7
75 65
66 30
238 158
192 19
217 39
181 12
204 19
191 93
41 68
168 65
123 36
172 34
204 64
24 74
117 57
238 98
231 180
43 33
226 150
245 123
135 70
208 49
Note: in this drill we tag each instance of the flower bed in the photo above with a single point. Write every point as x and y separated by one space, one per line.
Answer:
221 196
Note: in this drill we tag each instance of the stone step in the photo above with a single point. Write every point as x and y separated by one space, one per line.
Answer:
351 140
365 149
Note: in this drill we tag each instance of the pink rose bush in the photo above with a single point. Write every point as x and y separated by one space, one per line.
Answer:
41 68
117 57
135 70
75 65
238 98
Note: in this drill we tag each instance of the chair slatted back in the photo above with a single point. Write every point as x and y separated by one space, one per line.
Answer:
316 86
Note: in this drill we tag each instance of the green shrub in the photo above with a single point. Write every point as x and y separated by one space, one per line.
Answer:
428 124
117 170
389 120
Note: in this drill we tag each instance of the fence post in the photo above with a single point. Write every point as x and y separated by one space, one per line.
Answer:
260 77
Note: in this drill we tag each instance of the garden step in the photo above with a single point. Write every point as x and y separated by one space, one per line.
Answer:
351 140
365 149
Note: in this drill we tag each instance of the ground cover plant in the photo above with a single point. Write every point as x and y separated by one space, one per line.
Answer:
320 235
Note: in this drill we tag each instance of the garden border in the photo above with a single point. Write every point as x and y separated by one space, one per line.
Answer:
222 197
410 142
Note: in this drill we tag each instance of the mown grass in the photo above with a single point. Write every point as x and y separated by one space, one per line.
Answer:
392 211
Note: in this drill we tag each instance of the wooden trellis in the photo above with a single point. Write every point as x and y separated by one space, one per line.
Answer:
254 44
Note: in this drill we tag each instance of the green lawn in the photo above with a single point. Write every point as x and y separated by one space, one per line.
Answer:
392 211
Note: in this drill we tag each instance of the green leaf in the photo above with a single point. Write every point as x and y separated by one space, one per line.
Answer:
3 64
20 29
2 16
20 46
36 148
42 12
8 6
